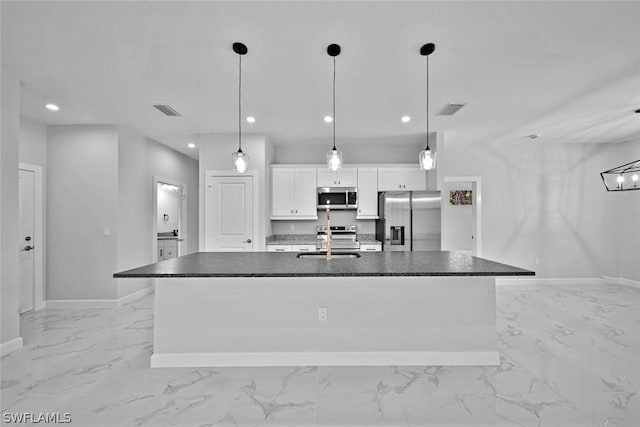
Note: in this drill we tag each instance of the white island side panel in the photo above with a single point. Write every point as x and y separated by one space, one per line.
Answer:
371 321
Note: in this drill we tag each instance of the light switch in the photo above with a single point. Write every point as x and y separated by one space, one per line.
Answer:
106 232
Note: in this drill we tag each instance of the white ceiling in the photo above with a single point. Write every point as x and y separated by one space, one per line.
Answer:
569 71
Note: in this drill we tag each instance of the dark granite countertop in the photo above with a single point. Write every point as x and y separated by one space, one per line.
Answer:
285 264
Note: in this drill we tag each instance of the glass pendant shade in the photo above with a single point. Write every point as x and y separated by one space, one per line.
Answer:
334 159
427 159
240 161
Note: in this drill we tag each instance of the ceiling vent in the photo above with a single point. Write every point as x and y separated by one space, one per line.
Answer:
167 110
451 109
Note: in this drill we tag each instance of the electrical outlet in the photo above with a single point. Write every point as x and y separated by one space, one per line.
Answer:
323 314
106 232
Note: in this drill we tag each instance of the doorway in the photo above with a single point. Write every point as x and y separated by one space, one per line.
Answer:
169 219
230 208
462 215
31 235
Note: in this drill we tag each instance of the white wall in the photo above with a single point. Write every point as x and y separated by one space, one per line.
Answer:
338 217
545 201
139 160
393 149
82 200
9 273
215 154
627 205
33 143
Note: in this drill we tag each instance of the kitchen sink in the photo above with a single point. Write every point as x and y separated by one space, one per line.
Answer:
323 255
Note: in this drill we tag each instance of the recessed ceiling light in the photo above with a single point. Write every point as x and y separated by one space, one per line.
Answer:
637 111
52 107
328 119
191 145
251 119
405 119
533 136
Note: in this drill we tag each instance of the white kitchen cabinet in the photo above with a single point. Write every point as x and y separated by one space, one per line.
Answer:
294 193
282 192
370 247
303 248
306 193
278 248
344 177
402 179
367 193
167 249
291 248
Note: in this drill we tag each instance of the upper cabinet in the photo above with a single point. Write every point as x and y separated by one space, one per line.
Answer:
344 177
367 193
402 179
293 193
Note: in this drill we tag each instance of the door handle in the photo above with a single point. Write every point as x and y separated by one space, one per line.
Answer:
247 241
27 248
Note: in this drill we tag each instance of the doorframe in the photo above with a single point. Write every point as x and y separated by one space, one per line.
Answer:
476 208
182 245
38 234
256 203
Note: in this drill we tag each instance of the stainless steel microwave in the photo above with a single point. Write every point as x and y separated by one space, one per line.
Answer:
337 197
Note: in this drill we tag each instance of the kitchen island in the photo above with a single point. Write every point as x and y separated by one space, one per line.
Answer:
275 309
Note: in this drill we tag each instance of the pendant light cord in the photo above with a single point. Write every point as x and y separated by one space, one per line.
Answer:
427 103
240 103
334 103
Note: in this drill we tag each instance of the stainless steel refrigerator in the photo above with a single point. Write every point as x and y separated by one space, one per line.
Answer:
409 220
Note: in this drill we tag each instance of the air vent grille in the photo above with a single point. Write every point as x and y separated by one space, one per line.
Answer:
451 109
167 110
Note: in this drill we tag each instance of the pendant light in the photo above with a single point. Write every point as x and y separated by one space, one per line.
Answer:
239 158
427 157
334 157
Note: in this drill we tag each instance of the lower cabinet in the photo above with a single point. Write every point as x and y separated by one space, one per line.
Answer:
278 248
370 247
291 248
167 249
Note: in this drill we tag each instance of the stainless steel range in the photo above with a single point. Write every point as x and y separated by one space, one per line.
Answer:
343 237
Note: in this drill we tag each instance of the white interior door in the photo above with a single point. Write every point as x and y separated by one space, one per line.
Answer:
461 224
230 213
26 196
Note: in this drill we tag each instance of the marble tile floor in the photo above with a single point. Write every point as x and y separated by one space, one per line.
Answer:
569 357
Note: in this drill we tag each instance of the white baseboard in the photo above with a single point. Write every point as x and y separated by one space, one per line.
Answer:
548 281
10 346
621 281
81 303
99 303
374 358
135 295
